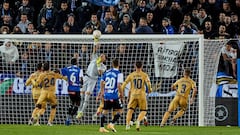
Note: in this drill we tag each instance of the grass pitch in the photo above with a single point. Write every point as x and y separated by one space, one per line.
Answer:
93 130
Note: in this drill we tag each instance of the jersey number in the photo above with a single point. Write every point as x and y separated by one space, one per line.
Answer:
110 83
48 82
183 88
73 78
137 83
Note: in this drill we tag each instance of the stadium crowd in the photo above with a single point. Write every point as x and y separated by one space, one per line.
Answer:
213 18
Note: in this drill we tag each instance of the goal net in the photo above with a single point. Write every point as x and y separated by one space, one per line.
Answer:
164 59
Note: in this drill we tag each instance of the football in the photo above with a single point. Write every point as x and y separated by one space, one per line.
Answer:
97 34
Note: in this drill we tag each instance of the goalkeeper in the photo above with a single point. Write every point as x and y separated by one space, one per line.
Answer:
95 69
75 78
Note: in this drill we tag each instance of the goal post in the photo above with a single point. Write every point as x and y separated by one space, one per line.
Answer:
164 58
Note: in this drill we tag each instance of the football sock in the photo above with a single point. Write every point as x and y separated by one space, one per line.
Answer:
102 117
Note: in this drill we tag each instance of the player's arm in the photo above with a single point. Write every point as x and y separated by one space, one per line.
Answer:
99 61
81 77
129 95
101 93
58 75
174 86
29 80
126 82
194 87
119 85
148 82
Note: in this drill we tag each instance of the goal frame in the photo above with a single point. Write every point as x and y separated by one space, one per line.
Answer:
140 37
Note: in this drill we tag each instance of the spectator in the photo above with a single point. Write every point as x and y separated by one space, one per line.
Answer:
108 19
152 4
140 11
125 10
87 30
189 6
73 24
94 22
6 10
9 54
235 23
73 4
16 30
44 27
236 7
176 15
125 25
23 23
202 18
229 26
114 13
186 28
187 18
65 29
30 28
83 14
229 55
7 21
84 57
151 23
5 30
47 53
49 13
109 29
27 9
160 12
208 31
213 9
166 27
221 33
220 21
25 65
143 27
226 8
61 16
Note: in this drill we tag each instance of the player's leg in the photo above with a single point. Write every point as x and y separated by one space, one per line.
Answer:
172 106
30 122
40 101
183 106
76 103
99 110
117 111
142 103
53 101
131 107
103 116
90 88
82 92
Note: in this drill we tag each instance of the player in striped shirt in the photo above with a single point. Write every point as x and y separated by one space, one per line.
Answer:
112 94
75 78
